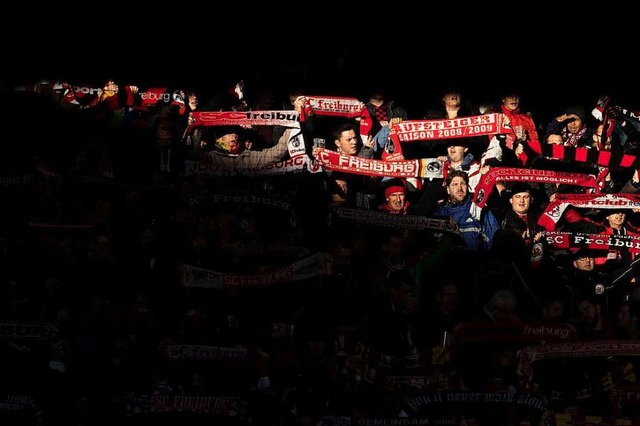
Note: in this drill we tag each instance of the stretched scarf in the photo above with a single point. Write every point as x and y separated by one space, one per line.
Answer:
572 139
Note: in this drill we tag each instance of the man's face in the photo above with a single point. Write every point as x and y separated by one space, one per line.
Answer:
448 299
575 125
554 312
520 202
342 258
395 200
452 99
457 189
231 142
394 250
588 312
616 220
192 101
585 263
511 102
399 295
456 153
347 143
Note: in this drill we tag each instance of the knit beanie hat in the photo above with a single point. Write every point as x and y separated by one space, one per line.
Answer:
392 188
577 110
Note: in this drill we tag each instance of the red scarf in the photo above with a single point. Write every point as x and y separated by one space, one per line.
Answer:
572 139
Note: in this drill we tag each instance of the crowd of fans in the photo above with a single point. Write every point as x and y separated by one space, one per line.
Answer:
155 271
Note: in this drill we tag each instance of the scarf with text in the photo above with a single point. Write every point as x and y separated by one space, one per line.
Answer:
51 226
85 96
247 119
297 164
205 353
412 382
569 240
423 403
599 348
332 106
477 125
372 217
310 267
555 209
162 95
526 333
17 180
27 331
207 198
421 167
261 248
488 180
216 405
13 402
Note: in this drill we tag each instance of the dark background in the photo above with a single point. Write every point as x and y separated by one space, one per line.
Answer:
557 53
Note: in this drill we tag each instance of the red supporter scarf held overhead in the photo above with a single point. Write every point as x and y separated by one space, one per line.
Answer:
555 209
488 180
247 119
590 156
421 130
332 106
86 97
423 167
155 95
569 240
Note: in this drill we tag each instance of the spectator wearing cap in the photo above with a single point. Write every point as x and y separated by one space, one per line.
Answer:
585 278
519 227
572 125
519 217
613 222
395 198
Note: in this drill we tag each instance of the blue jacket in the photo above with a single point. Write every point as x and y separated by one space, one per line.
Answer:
477 235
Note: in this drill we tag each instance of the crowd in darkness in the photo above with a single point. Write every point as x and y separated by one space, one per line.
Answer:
137 291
